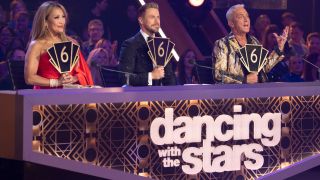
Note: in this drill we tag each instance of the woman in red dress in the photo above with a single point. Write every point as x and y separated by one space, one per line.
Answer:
49 28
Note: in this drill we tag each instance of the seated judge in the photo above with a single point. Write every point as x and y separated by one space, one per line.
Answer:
48 28
134 56
228 67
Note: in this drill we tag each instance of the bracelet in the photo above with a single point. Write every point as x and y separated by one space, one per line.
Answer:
53 82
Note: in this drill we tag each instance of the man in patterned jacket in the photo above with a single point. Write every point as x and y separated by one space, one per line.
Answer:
228 67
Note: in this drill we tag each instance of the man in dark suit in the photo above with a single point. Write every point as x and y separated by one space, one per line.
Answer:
134 56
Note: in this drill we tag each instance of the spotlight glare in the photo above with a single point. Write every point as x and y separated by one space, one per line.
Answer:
196 3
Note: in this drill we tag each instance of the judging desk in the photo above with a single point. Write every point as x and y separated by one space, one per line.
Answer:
176 132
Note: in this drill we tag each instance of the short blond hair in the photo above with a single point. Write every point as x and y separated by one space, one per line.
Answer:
92 55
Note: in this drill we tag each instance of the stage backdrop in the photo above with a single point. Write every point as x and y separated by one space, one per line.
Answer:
239 138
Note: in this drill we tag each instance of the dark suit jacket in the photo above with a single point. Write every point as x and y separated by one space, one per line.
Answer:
134 58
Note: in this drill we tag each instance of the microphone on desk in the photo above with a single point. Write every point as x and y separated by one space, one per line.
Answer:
194 62
224 74
126 74
318 68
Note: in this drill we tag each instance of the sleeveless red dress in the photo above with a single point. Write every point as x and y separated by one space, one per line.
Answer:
46 70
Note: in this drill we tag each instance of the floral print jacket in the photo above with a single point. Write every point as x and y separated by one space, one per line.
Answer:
228 67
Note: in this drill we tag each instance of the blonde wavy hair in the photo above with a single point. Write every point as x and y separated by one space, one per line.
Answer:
39 30
94 53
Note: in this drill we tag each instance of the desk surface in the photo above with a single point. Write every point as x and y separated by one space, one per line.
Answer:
100 95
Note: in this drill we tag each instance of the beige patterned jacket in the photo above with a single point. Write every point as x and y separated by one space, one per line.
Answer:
232 72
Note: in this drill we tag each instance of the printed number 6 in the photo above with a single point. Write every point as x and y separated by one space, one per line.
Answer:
253 56
160 50
64 56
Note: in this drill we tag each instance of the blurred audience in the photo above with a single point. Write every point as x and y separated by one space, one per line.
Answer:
111 48
186 71
16 6
97 58
6 41
21 28
260 25
269 40
3 17
313 42
279 70
98 11
77 39
132 14
17 54
295 70
5 80
95 32
287 18
296 41
129 26
311 73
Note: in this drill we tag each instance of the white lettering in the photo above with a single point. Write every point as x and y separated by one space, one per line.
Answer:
195 163
184 129
167 123
225 158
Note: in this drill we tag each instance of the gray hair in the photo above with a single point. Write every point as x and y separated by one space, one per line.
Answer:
230 11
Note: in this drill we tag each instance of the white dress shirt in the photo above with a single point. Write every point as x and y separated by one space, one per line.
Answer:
145 36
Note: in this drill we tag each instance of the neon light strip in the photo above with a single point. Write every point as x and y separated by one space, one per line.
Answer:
174 52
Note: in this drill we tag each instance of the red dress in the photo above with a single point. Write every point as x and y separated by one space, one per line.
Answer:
46 70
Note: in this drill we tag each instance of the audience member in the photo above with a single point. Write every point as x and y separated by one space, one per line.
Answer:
313 42
16 6
130 25
287 18
3 17
97 11
6 41
132 16
77 39
111 48
260 25
97 58
22 31
311 73
17 54
5 80
269 40
186 71
95 32
296 41
295 70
